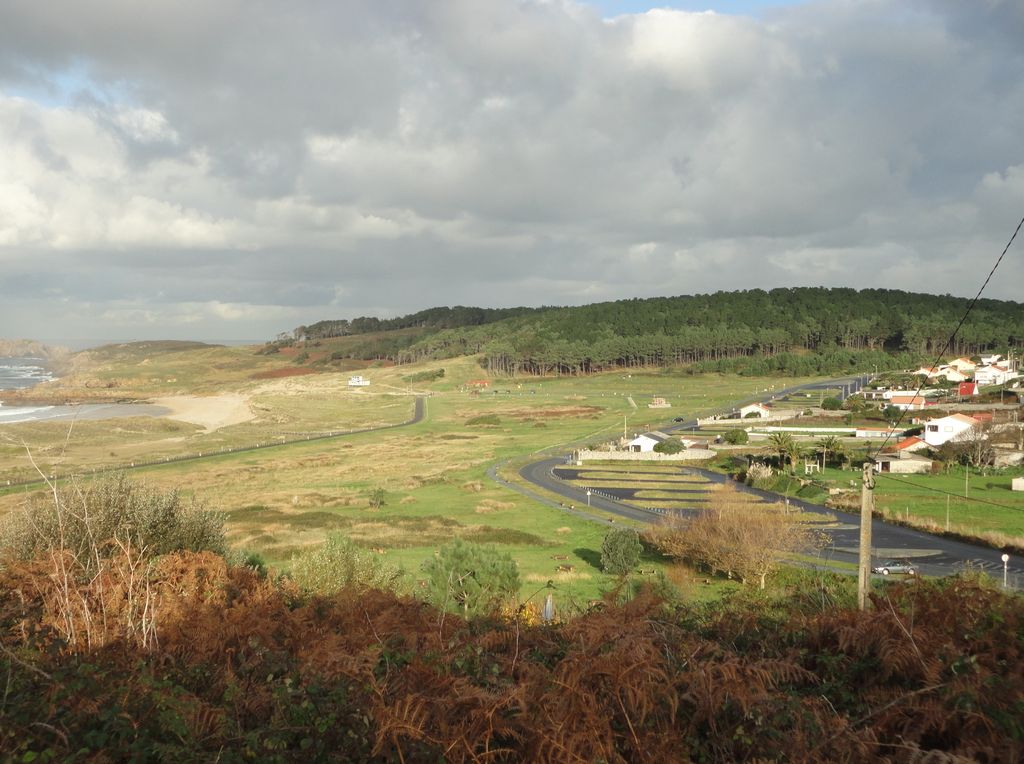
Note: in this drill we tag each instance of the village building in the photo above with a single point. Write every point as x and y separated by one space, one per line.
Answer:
995 374
645 442
903 463
876 432
964 365
967 389
911 444
953 375
752 410
908 402
940 431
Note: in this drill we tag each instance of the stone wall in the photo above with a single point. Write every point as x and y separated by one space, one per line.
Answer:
688 455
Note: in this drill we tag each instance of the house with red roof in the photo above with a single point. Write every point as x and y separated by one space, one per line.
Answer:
967 389
908 402
911 444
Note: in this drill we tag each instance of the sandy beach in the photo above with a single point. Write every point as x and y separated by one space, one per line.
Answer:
211 412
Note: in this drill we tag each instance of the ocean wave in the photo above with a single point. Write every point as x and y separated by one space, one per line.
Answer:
7 414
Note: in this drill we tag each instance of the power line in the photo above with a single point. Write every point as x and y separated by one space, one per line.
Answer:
949 341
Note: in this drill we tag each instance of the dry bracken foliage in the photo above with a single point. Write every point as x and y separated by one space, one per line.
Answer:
216 661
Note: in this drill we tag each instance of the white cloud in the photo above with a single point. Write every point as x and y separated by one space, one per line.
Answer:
379 155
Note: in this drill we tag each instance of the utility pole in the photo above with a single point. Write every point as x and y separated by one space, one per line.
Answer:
967 478
867 504
947 513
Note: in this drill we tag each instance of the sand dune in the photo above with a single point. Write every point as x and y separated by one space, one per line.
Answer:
211 412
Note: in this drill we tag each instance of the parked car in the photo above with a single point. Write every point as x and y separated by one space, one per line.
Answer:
895 566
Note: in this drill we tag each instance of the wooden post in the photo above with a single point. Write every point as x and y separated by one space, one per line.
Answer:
867 502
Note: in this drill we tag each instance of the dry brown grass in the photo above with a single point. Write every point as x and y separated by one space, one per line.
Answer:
558 576
487 506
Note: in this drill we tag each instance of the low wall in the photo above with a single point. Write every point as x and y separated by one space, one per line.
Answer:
807 430
690 454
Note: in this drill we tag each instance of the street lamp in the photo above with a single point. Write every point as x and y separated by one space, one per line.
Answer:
1006 560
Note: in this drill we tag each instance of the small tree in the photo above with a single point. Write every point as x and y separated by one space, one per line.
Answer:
473 578
341 564
829 444
620 551
974 446
377 497
738 535
786 447
668 447
892 414
737 437
831 404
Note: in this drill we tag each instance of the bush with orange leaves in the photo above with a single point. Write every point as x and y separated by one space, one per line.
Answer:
228 665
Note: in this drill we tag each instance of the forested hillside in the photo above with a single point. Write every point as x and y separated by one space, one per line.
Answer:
431 318
801 330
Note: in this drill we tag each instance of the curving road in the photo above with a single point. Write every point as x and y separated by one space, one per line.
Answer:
934 555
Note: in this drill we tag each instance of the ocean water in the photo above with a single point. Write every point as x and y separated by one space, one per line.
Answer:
19 373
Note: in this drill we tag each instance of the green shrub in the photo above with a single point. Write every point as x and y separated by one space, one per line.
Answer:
428 375
491 419
737 437
668 447
620 551
341 564
471 578
831 404
92 521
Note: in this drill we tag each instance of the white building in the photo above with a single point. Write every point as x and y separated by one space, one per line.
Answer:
904 463
939 431
645 442
995 374
358 381
908 402
758 410
964 365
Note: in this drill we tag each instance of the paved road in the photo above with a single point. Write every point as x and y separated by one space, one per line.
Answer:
933 554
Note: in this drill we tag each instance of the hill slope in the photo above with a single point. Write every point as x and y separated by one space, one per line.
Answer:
852 328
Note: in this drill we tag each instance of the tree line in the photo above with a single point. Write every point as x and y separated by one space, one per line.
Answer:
725 331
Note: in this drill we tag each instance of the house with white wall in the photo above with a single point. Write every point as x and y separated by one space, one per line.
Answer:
939 431
908 402
903 462
996 374
758 410
644 443
963 365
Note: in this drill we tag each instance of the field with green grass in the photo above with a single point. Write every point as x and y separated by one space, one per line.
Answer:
282 499
982 506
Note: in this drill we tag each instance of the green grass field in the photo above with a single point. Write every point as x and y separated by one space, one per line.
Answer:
284 499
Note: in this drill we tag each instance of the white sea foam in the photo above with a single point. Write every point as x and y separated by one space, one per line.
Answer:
12 414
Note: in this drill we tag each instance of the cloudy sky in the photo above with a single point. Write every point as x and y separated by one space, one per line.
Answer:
227 169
